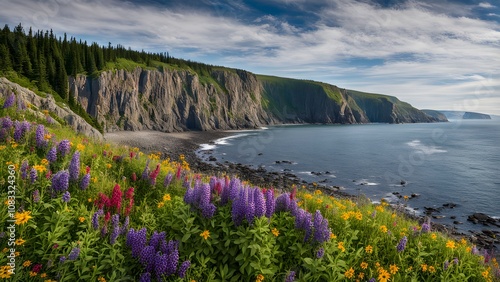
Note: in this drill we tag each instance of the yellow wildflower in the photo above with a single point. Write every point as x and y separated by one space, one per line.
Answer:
394 269
333 236
345 215
166 197
161 204
405 197
341 247
450 244
349 273
383 275
364 265
89 200
27 263
40 168
20 241
275 232
94 179
379 208
424 267
361 275
432 269
5 271
358 215
44 162
205 234
317 192
47 136
81 219
22 217
109 166
33 274
80 147
383 228
43 275
463 241
433 236
2 147
319 201
101 279
369 249
259 278
308 196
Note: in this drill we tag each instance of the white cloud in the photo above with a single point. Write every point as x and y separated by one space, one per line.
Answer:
486 5
426 56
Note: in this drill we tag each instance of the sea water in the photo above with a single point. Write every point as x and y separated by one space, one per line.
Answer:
456 162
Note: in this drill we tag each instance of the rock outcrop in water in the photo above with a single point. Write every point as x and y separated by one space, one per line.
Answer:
464 115
177 100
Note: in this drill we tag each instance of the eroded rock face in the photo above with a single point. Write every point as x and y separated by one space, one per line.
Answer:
171 100
179 100
48 103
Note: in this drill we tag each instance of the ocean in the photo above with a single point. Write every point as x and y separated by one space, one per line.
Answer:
456 164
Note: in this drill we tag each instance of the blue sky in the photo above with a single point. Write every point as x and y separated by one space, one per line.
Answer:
431 53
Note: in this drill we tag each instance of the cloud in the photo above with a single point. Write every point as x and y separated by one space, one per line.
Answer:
486 5
413 50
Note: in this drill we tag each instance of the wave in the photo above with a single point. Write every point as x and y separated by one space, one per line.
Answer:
428 150
365 182
220 141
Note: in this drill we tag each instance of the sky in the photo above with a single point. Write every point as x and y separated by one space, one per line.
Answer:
434 54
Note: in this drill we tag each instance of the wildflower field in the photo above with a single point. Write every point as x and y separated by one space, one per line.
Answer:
73 209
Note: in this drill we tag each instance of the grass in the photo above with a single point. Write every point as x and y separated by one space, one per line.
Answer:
206 220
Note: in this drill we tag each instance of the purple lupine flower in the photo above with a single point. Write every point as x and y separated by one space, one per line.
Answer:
446 264
95 218
183 268
234 188
147 258
145 172
36 196
62 259
125 226
84 183
20 128
260 203
7 122
189 196
60 181
303 221
49 119
455 260
283 202
74 167
24 169
402 244
104 231
426 226
208 210
160 265
33 175
75 252
270 203
238 208
136 240
172 260
63 147
145 277
52 155
290 277
475 251
66 197
372 280
167 180
320 253
9 102
115 223
40 136
156 239
250 211
321 231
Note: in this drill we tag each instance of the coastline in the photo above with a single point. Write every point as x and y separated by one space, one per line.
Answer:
188 143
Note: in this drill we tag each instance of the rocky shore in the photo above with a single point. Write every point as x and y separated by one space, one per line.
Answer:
188 143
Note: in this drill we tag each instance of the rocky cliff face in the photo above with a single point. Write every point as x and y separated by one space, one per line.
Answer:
73 120
436 114
178 100
171 100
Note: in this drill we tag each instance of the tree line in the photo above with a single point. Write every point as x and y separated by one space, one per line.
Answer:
47 60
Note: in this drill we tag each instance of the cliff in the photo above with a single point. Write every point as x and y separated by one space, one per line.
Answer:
436 114
48 103
464 115
181 99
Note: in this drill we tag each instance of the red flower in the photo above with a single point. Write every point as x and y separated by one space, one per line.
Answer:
87 169
102 201
178 173
133 177
37 267
116 198
107 217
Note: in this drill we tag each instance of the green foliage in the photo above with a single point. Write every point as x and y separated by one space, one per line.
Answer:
363 242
